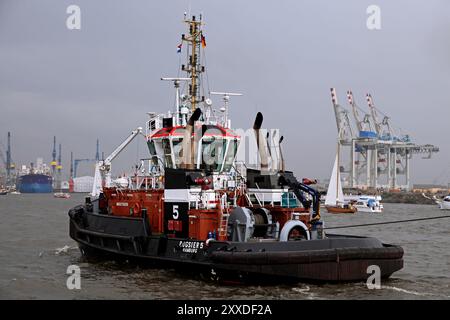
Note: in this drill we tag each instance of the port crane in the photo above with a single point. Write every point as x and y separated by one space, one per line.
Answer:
3 174
9 164
76 162
103 167
364 124
365 129
385 153
342 120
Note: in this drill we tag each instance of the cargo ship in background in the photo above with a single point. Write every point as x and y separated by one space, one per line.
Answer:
35 178
35 183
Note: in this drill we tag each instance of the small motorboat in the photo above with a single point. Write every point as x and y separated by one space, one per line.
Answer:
369 204
444 203
62 195
3 192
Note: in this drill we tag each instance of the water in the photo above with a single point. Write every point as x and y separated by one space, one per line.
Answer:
35 251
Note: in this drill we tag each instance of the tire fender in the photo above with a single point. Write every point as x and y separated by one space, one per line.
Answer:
291 224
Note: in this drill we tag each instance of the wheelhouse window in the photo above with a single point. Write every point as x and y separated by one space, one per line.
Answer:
167 153
152 150
231 154
212 153
177 148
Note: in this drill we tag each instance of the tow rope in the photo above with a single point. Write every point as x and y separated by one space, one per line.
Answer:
387 222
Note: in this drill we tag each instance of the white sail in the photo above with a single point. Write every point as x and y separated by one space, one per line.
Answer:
97 187
334 193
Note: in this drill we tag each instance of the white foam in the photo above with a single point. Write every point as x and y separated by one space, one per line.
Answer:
62 250
301 290
407 291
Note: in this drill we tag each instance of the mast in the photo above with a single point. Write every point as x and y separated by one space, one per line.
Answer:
97 152
337 172
71 165
8 161
194 40
59 167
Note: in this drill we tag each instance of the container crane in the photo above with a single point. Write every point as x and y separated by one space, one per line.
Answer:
364 124
3 174
53 163
58 170
383 127
365 148
7 161
342 120
76 162
386 152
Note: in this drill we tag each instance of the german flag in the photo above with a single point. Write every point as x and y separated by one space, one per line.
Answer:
203 41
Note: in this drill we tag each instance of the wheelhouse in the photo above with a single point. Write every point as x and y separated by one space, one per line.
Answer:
214 147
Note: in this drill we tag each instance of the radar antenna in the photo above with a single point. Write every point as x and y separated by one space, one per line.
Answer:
226 98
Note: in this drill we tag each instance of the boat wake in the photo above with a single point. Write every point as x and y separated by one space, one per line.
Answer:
305 290
421 294
63 250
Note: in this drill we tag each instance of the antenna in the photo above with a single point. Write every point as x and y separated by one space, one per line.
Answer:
226 98
194 40
176 84
71 165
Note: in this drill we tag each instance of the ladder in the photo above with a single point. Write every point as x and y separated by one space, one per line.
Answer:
223 227
223 223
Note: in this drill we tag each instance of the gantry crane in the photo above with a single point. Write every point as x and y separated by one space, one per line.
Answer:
385 152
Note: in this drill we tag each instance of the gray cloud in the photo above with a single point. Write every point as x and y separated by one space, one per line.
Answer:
284 57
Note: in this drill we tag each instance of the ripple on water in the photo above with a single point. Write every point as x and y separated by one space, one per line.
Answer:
37 254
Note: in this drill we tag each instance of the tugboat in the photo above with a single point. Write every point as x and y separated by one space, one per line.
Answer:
198 207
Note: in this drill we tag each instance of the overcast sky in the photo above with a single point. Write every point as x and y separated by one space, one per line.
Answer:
283 55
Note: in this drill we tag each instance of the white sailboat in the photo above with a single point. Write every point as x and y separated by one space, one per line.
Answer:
334 201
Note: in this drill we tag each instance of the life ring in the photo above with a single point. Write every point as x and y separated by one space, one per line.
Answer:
290 226
136 208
